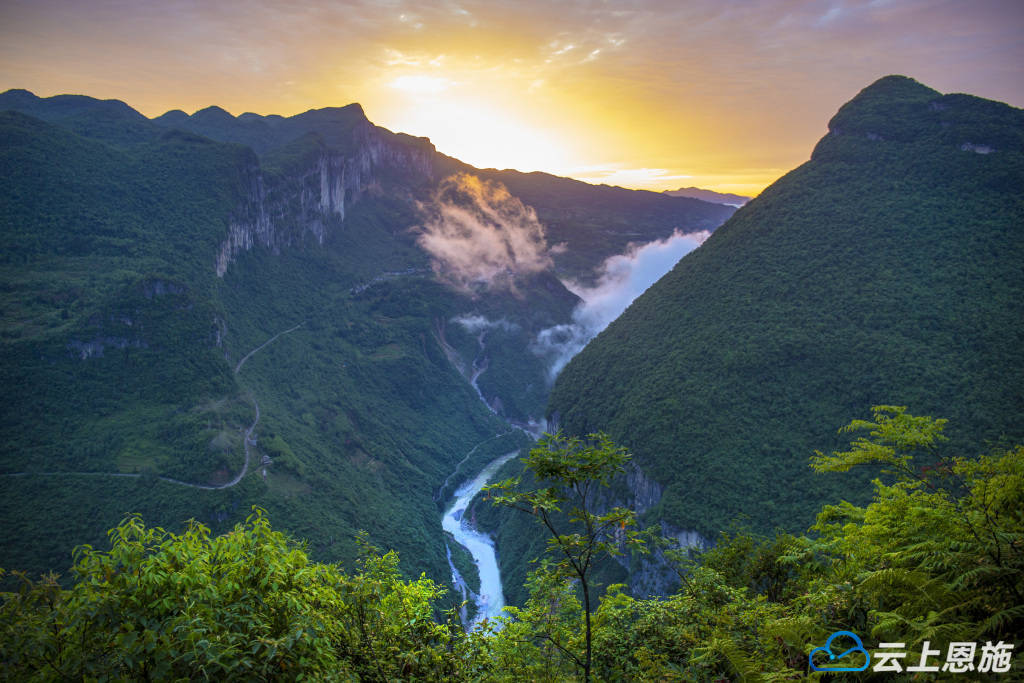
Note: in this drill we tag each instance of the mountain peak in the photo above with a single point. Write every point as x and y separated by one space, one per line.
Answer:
897 109
897 86
889 100
19 92
213 113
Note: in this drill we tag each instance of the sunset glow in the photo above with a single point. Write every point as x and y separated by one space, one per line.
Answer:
655 95
469 128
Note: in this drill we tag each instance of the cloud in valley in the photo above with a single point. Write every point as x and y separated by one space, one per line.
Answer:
474 324
623 278
480 236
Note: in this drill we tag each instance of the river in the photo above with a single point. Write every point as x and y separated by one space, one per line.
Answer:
491 599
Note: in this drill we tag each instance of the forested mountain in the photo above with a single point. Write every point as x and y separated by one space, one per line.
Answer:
190 299
885 270
193 327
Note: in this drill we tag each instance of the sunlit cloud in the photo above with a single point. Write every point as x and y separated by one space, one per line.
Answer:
643 94
411 20
647 178
421 85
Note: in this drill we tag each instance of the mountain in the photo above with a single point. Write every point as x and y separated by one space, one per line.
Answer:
205 313
709 196
885 270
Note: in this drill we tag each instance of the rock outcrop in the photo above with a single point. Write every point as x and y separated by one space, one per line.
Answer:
282 209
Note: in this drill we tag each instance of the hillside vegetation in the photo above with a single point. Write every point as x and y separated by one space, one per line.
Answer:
936 557
886 268
145 259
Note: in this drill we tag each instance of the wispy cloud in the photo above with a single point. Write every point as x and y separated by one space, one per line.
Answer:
626 177
480 236
622 279
701 87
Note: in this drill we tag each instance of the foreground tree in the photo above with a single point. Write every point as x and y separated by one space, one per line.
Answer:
571 474
939 555
248 605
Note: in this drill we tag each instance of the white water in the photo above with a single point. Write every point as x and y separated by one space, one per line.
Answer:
491 599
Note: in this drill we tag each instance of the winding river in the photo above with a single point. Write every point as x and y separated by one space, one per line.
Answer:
491 599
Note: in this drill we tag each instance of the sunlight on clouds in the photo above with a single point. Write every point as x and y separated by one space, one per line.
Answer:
645 178
651 94
394 57
421 85
481 134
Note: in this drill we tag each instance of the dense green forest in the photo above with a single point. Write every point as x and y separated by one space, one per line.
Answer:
189 298
233 320
935 557
886 268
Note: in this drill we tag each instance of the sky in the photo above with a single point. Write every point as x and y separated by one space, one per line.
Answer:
660 94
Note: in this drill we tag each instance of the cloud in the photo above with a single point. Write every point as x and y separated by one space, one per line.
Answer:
626 177
478 323
480 236
622 279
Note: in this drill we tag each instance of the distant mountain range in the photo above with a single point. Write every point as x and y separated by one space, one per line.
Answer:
709 196
189 299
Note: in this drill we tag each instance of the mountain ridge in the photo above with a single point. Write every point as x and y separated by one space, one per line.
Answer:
881 271
709 196
144 261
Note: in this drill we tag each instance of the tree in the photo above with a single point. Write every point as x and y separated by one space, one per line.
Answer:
571 473
938 556
247 605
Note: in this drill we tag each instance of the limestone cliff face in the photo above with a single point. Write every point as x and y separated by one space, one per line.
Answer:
278 210
653 575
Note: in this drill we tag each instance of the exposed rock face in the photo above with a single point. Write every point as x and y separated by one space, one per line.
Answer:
652 575
645 491
280 211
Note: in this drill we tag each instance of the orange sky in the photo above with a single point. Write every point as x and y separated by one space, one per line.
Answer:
720 94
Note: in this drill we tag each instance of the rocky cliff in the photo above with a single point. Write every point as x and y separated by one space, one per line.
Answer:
307 198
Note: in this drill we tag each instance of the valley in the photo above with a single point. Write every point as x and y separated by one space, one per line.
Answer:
351 334
496 342
290 286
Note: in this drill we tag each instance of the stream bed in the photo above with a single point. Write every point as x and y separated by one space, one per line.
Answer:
491 599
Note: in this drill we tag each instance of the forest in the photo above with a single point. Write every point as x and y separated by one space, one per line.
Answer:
934 562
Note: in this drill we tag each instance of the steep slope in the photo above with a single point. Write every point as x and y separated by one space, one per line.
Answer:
123 383
205 313
885 270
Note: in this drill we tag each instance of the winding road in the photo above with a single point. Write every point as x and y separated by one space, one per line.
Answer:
247 442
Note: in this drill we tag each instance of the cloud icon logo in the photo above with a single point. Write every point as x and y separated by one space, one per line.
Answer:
849 652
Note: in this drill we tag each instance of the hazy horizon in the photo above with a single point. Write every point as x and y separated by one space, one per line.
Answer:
652 95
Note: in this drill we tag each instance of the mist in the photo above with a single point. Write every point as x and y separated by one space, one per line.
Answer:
479 236
622 279
474 324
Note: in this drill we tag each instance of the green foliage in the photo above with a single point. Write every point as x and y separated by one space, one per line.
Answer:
895 436
936 556
119 343
118 340
881 270
569 472
939 554
241 606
